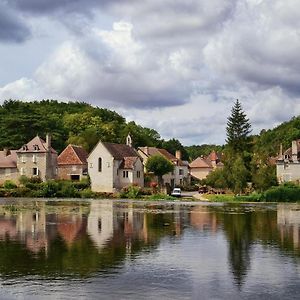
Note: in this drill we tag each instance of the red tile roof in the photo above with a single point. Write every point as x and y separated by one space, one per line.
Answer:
201 162
8 161
128 163
72 155
35 145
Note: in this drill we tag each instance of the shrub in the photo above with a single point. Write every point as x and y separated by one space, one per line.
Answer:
49 189
131 192
20 192
81 185
283 193
87 193
8 184
23 180
66 189
35 180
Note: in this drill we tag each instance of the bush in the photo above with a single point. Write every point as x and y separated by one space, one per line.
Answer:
87 193
81 185
66 189
131 192
49 189
8 184
20 192
23 180
283 193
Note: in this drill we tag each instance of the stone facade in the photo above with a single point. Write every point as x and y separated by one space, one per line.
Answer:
35 159
288 163
72 163
114 166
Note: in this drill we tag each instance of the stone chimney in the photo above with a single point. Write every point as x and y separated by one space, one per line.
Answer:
178 154
48 141
294 151
6 152
280 156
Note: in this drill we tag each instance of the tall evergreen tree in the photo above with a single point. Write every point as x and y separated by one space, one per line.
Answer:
238 129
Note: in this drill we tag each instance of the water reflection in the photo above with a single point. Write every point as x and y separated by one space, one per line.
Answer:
81 239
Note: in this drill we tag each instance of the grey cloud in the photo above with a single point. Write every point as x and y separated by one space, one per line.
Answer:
12 28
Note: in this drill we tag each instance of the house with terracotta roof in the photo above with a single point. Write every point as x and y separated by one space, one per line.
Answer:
72 163
202 166
288 163
114 166
35 159
180 175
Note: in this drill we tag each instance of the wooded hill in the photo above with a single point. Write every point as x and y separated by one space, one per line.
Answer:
74 122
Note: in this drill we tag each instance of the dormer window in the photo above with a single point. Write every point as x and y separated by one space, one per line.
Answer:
25 148
36 147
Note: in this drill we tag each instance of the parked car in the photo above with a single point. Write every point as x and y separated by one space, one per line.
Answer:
176 192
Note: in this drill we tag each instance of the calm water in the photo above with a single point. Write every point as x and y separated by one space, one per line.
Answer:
120 250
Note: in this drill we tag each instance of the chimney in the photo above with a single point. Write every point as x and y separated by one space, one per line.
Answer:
48 141
280 156
178 154
294 151
6 152
129 140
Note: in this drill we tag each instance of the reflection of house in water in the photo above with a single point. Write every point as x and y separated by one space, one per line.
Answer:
100 222
202 219
288 220
31 228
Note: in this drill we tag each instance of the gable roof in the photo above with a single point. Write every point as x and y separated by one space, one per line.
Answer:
8 161
150 151
72 155
128 163
201 162
120 151
35 145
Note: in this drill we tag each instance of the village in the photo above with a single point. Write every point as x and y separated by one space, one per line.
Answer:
112 167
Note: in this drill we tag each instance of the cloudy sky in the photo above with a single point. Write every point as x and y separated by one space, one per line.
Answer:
173 65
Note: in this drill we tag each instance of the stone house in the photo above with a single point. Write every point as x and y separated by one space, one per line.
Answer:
288 163
35 159
72 163
180 175
114 166
202 166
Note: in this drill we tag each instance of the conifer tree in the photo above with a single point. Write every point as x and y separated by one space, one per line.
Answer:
238 128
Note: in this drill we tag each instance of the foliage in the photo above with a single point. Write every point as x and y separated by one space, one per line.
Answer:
283 193
216 179
159 166
72 122
8 184
195 151
130 192
238 129
173 145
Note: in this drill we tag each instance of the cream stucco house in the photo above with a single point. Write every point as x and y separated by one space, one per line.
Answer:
114 166
288 163
180 175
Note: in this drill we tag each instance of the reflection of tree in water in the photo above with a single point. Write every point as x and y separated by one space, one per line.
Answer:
239 232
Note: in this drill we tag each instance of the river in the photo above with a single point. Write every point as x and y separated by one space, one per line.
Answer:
109 249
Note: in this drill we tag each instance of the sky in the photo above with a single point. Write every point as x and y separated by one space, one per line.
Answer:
173 65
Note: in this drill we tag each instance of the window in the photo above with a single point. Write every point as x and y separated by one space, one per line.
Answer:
75 177
22 171
23 159
36 147
99 164
91 165
138 174
180 171
35 171
125 174
34 158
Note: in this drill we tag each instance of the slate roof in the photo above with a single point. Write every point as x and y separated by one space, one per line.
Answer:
35 145
72 155
8 161
120 151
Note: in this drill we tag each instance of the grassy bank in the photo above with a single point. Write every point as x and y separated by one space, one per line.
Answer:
284 193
